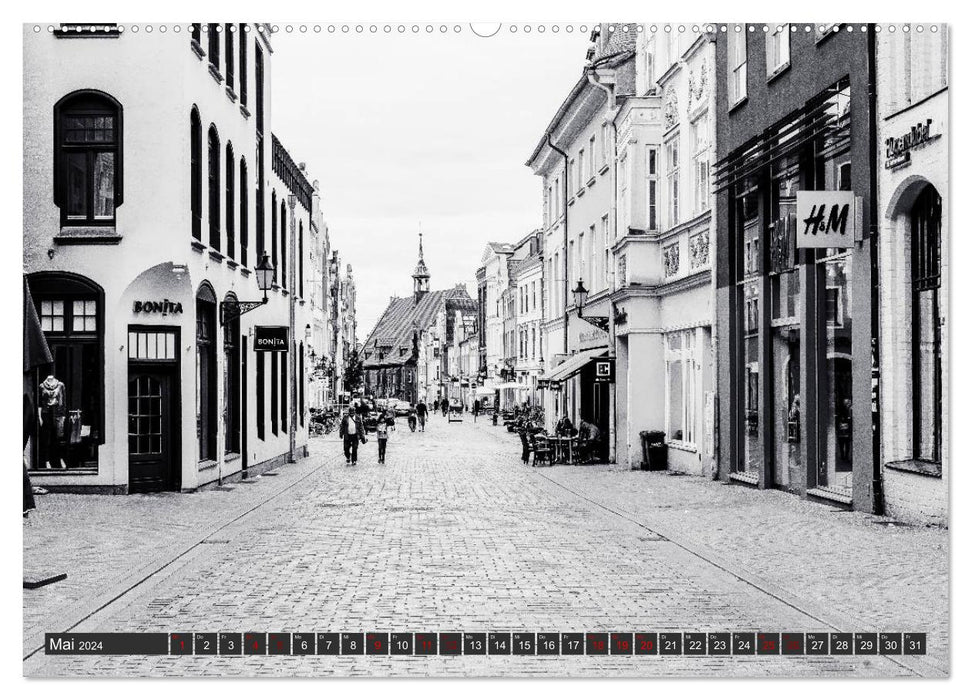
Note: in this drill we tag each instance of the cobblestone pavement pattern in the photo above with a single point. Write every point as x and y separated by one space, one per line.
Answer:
455 534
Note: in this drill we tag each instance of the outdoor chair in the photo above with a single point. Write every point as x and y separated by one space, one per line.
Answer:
541 449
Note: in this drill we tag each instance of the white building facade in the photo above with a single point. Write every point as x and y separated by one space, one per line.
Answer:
913 134
146 210
664 284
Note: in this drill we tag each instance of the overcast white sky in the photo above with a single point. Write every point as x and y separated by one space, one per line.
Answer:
431 127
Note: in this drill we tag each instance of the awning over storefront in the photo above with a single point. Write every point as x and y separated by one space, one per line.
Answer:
512 385
574 364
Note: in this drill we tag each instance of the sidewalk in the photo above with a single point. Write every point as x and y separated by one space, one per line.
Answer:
107 543
849 567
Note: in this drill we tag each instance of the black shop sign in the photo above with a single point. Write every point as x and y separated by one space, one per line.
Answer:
271 339
603 371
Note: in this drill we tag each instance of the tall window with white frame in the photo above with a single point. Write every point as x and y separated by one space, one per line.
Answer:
229 30
195 172
214 190
243 211
604 143
776 49
230 201
592 157
673 179
623 178
700 156
214 46
243 82
651 188
87 158
605 254
683 378
737 66
581 170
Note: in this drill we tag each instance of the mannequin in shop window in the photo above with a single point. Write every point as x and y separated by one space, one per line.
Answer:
51 413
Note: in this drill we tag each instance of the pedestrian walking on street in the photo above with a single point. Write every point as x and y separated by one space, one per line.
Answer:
476 407
422 411
444 408
382 435
352 431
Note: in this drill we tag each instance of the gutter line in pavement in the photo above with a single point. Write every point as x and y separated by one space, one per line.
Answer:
167 560
844 624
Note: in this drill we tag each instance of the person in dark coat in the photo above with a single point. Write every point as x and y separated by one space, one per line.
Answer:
352 431
422 411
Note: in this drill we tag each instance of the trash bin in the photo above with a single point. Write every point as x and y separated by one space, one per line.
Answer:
655 450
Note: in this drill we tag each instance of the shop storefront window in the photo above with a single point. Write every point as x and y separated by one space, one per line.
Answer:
683 370
749 266
834 317
926 288
786 337
68 394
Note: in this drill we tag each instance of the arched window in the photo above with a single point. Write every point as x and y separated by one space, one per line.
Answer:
195 172
206 372
230 201
283 244
71 311
243 210
214 191
925 246
87 158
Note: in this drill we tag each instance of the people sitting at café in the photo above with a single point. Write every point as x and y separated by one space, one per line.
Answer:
564 427
590 436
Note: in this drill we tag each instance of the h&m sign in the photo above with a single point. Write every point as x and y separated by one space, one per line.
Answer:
271 339
828 219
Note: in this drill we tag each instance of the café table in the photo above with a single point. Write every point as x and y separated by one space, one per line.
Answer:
562 448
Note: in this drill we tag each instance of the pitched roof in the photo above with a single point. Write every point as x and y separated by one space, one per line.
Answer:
394 329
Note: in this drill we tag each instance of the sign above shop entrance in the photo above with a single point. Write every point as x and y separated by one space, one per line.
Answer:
899 147
828 219
603 371
271 339
163 307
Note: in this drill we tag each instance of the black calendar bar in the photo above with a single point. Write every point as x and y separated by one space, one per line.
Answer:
614 643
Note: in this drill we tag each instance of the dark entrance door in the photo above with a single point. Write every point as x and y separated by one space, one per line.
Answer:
151 458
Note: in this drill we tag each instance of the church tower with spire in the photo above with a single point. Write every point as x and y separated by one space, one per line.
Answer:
421 277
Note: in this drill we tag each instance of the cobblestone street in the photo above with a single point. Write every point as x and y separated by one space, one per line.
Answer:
455 534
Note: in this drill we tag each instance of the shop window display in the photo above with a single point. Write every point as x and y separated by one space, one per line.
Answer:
68 392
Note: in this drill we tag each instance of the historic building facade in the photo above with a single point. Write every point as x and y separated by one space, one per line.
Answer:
576 159
663 288
913 131
797 363
401 357
160 383
529 316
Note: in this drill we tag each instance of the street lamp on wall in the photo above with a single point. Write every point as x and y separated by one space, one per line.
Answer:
233 309
580 295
